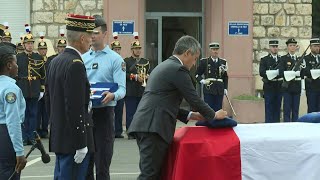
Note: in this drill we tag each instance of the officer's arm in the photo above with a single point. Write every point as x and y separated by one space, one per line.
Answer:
183 115
75 93
183 83
119 76
306 71
225 78
43 76
282 66
128 71
12 110
263 68
201 69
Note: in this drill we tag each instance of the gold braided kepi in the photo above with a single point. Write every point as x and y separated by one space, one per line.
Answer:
80 23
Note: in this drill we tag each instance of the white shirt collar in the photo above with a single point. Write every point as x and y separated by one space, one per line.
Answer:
178 59
70 47
214 59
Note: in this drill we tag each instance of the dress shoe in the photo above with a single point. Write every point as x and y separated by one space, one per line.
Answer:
119 136
131 137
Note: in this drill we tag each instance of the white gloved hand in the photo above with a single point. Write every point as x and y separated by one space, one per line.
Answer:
40 95
204 81
297 73
225 92
80 155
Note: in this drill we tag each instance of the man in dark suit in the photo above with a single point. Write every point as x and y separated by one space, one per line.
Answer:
154 122
68 102
269 71
137 71
313 80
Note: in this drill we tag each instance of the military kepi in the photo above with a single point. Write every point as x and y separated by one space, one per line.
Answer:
315 41
291 41
214 45
80 23
273 42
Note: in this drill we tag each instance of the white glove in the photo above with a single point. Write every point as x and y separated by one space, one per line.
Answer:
80 155
225 92
297 73
40 95
204 81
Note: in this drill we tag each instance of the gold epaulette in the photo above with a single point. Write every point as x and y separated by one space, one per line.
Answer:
77 60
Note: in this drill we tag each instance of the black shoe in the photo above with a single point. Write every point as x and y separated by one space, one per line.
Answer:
31 142
119 136
44 136
131 137
25 142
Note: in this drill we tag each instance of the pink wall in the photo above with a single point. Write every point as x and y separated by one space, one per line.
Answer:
125 10
237 50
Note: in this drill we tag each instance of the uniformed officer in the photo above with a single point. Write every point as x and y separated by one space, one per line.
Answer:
42 122
61 45
215 80
12 107
138 70
31 78
67 98
6 37
118 109
104 65
269 71
19 45
291 82
312 80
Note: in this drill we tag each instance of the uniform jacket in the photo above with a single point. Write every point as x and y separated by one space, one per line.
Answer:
67 99
268 63
286 64
210 69
31 74
311 63
133 87
158 109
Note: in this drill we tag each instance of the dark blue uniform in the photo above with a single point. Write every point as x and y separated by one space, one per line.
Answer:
271 88
213 92
312 85
31 78
291 93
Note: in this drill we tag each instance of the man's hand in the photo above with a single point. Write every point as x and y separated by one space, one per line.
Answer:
221 114
80 155
109 97
21 163
205 81
225 92
140 78
40 95
196 116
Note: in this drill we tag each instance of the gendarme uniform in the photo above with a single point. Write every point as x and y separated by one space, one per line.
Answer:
291 86
214 70
12 109
271 84
31 78
312 81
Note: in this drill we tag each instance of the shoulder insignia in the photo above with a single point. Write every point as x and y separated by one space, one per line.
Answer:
223 59
11 97
77 60
123 66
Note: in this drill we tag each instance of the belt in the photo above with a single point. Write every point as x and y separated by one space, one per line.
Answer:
214 79
279 79
297 79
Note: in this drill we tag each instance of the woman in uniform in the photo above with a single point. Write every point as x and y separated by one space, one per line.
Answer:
12 108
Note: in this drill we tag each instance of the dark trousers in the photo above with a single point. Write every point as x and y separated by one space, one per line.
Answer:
131 108
214 101
7 155
272 102
66 169
42 123
118 112
291 103
153 150
313 101
30 122
103 133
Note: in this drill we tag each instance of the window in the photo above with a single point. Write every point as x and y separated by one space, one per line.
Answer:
173 6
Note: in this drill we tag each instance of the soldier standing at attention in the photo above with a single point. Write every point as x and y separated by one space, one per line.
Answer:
138 70
31 78
269 71
215 81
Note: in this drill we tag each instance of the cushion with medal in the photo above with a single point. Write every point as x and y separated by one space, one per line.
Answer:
310 118
226 122
97 88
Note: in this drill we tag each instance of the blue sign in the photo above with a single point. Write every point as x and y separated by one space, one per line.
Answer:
238 28
123 27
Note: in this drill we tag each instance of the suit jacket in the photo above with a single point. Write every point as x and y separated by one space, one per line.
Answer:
268 63
67 99
210 69
31 74
133 87
158 109
286 64
311 63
